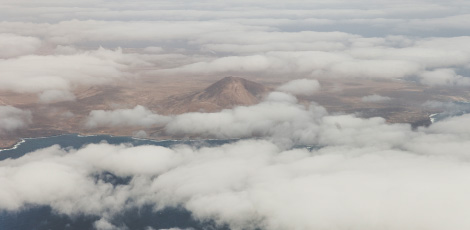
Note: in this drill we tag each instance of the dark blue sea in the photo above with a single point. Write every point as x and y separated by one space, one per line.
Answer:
462 107
43 218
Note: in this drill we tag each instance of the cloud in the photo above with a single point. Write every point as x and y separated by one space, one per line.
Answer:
107 31
255 63
359 174
153 49
138 116
375 98
12 118
253 184
14 45
140 134
444 77
50 96
279 118
454 125
300 87
259 183
341 39
103 224
281 97
54 77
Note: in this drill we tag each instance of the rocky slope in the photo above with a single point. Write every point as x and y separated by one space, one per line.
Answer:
225 93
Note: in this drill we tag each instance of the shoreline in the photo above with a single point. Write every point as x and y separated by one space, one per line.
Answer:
13 146
23 140
432 117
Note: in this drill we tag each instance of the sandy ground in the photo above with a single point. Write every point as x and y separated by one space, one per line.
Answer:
337 95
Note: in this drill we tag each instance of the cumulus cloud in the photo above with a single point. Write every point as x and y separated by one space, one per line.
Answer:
375 98
55 76
138 116
444 77
301 87
278 115
359 174
342 39
259 183
50 96
253 184
13 45
103 224
12 118
282 119
279 118
140 134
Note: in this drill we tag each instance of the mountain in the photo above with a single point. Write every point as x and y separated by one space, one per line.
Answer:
225 93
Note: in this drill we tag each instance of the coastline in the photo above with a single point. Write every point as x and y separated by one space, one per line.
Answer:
12 146
432 117
17 142
13 143
22 140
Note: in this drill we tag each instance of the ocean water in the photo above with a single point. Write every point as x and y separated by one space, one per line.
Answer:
43 218
463 107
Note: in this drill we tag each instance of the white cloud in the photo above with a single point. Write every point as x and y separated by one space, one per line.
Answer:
14 45
279 117
341 39
103 224
256 184
281 97
54 77
50 96
454 125
138 116
375 98
261 183
443 77
140 134
366 174
255 63
301 87
12 118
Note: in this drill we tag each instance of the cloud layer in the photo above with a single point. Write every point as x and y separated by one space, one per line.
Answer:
361 173
138 116
300 39
387 183
358 174
53 77
279 117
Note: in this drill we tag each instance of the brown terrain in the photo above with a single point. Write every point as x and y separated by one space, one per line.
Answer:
176 95
225 93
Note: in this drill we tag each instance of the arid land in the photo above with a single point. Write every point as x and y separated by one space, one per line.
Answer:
175 95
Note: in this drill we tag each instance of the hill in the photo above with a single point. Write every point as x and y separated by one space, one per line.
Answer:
225 93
